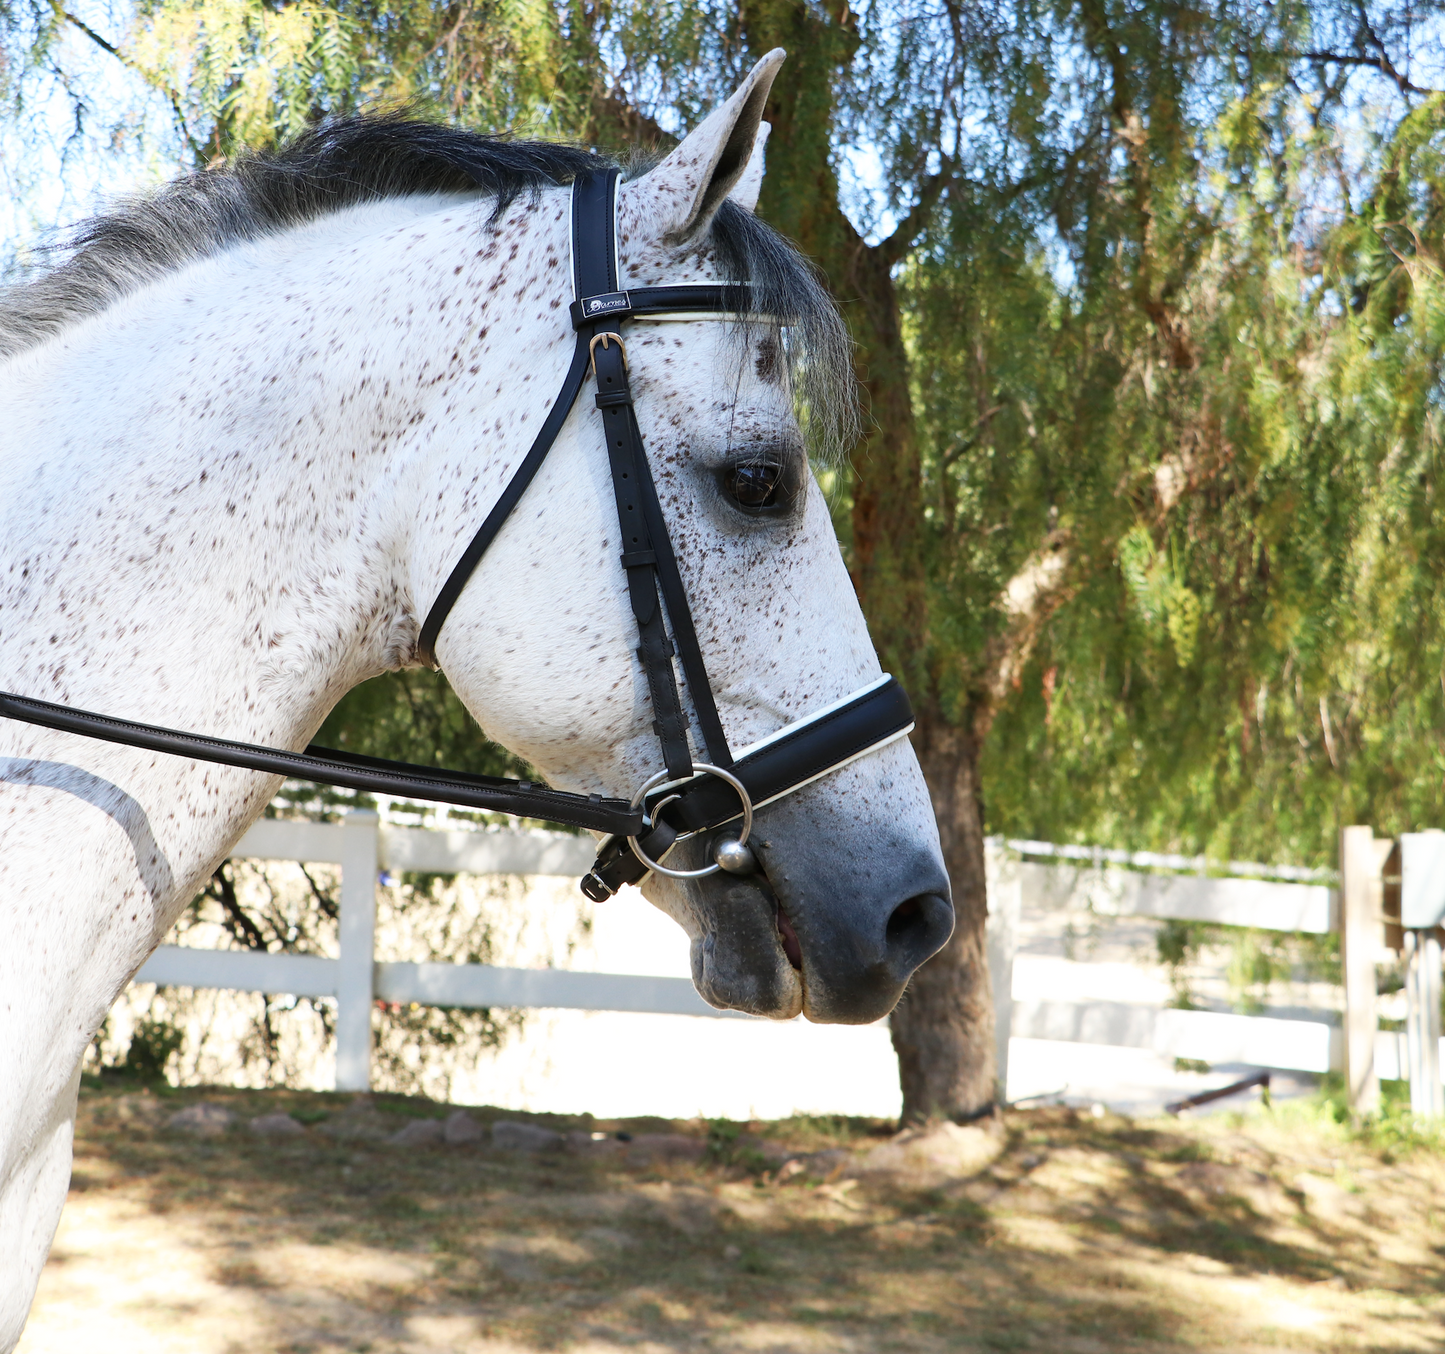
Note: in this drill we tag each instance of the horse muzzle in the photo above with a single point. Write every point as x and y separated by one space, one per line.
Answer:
830 925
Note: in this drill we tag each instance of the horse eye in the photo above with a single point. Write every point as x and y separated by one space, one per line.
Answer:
756 485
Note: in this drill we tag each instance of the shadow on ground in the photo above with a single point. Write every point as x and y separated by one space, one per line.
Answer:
1067 1234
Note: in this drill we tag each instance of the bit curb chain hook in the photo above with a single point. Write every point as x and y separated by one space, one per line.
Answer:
733 850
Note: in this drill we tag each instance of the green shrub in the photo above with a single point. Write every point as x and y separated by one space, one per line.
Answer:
151 1046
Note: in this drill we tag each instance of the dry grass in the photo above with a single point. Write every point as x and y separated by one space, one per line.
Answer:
1083 1235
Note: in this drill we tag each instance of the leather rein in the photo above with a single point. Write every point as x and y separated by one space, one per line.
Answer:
688 796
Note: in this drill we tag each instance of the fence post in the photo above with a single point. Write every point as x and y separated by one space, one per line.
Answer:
357 959
1360 864
1422 906
1005 906
1422 1022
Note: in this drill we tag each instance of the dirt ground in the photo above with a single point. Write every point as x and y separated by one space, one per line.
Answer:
355 1226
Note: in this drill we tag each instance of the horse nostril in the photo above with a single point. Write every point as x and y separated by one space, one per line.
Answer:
918 928
905 916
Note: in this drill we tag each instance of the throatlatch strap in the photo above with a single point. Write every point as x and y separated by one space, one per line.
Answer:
599 308
589 194
525 473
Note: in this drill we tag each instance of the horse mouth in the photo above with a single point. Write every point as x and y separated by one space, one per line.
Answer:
787 935
749 955
798 937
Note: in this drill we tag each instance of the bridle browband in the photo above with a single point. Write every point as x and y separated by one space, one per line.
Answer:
688 796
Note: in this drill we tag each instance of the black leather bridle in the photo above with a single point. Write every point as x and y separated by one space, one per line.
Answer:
688 796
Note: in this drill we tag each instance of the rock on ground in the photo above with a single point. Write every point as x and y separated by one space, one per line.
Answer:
647 1148
596 1146
930 1156
276 1126
202 1117
460 1129
420 1133
358 1122
512 1136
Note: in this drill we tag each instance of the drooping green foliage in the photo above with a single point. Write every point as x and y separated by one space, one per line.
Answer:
1228 419
414 716
247 73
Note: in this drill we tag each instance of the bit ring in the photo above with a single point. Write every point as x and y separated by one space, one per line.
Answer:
659 779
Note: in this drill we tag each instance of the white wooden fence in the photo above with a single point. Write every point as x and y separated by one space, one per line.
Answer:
362 847
1296 900
1073 877
1106 889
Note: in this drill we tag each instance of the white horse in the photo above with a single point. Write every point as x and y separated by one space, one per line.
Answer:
248 428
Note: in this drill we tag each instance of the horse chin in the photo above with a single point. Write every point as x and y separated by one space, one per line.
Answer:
742 963
831 926
740 953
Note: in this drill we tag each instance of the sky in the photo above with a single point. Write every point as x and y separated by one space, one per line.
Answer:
87 131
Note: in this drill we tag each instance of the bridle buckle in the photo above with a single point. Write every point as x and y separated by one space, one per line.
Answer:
602 339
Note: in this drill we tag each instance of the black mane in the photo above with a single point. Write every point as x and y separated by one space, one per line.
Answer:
364 158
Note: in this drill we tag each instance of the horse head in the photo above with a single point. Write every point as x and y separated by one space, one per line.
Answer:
845 892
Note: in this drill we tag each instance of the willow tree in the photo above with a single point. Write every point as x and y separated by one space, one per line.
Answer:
1125 435
1000 130
1261 662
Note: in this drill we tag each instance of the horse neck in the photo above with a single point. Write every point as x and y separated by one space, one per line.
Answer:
209 518
207 499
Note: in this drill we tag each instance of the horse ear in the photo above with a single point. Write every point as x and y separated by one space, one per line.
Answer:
715 159
750 185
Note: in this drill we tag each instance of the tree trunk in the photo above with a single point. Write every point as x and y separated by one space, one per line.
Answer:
943 1032
943 1029
890 570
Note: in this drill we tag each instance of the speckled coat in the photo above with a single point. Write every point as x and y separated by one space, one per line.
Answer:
232 495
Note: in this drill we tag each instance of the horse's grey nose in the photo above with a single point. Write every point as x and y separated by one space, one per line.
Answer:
859 949
855 972
844 908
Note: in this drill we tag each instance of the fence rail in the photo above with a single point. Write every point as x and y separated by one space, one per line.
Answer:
1154 860
1087 883
1115 892
466 985
1094 880
1206 1036
362 847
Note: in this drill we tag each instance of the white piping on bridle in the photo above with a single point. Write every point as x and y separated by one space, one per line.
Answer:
657 785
